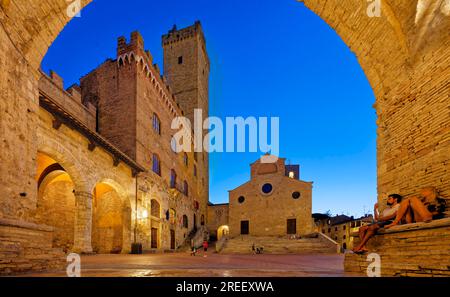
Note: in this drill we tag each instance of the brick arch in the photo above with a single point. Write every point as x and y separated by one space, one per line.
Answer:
32 26
124 196
67 160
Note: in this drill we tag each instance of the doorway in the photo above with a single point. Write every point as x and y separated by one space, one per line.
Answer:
245 227
172 239
154 239
292 226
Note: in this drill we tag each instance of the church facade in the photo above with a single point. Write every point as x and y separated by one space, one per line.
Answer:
274 202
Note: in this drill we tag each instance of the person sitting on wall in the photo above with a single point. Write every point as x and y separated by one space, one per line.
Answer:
425 209
386 218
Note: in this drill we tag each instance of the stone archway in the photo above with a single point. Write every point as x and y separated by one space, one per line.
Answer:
55 205
400 54
111 218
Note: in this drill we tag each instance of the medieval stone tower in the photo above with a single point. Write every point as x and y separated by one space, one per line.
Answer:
186 69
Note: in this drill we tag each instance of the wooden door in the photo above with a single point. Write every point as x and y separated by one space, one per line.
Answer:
172 239
291 226
245 227
154 238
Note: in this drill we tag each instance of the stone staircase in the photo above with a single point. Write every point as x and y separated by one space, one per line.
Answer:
198 238
280 245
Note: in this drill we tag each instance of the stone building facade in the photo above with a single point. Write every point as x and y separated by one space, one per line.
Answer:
106 175
404 53
275 202
340 228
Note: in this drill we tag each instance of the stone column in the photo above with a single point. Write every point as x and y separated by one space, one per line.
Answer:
83 222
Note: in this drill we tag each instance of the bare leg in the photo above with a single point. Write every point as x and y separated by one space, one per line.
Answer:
421 212
362 232
402 212
409 216
370 232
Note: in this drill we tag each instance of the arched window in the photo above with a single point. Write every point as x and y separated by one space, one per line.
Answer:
202 220
195 170
185 221
156 165
185 188
155 209
156 124
185 159
173 179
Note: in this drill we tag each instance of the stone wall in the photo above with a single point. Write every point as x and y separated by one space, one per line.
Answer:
421 249
27 247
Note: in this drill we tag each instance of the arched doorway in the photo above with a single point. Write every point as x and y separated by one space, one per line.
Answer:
222 231
107 220
56 201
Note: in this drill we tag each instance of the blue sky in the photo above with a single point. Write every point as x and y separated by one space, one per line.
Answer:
268 58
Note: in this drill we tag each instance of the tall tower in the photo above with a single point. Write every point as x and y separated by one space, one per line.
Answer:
186 69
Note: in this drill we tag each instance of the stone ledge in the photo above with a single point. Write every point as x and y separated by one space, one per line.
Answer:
445 222
24 225
417 226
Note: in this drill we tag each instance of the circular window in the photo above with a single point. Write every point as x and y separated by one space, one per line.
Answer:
267 188
241 199
296 195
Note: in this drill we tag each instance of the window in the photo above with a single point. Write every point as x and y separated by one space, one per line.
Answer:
155 209
335 228
267 188
329 230
195 170
185 221
156 165
185 160
180 60
185 188
241 199
296 195
172 216
344 227
173 179
344 237
156 124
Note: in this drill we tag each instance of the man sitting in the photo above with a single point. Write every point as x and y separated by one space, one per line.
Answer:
425 209
386 218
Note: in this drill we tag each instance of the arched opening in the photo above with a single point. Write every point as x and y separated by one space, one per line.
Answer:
222 231
56 201
107 220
